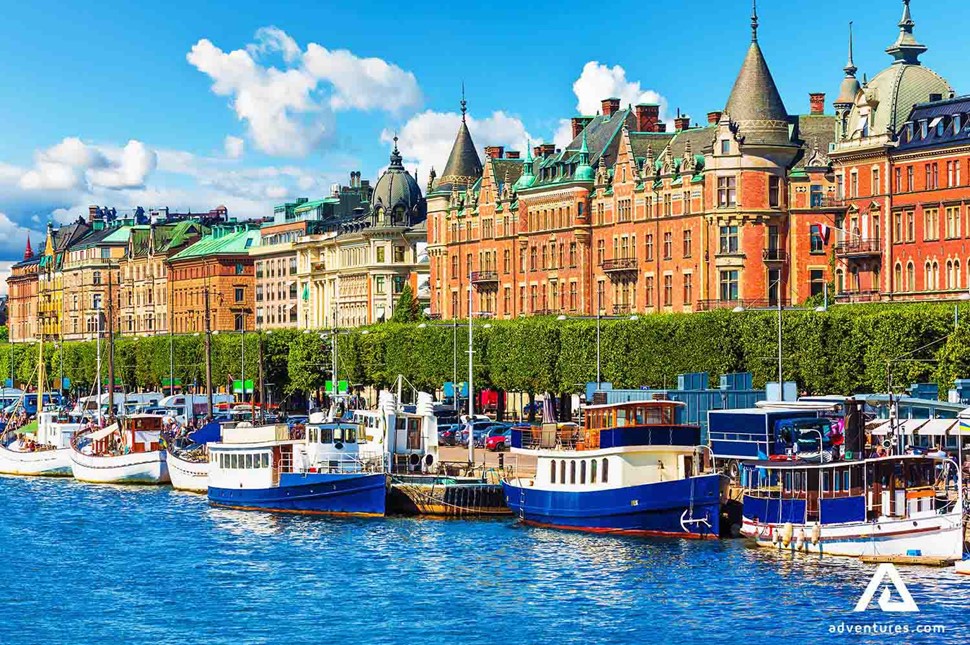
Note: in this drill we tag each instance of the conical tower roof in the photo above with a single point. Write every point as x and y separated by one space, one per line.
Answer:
464 167
755 105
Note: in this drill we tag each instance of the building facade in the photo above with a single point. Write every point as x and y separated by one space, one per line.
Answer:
214 277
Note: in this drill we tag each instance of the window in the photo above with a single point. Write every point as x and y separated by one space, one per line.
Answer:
729 239
729 285
726 192
688 289
668 246
668 290
688 243
816 242
816 279
774 192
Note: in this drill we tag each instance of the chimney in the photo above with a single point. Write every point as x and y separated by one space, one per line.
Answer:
816 103
713 118
547 149
648 114
494 152
611 106
512 154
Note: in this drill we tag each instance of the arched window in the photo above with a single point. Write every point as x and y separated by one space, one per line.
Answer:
898 277
582 472
552 471
592 471
572 471
605 477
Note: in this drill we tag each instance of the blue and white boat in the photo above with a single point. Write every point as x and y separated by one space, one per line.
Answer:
263 468
635 469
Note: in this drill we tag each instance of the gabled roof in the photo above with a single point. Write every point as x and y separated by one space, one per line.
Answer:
221 242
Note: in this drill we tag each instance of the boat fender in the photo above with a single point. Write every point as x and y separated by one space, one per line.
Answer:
800 540
816 533
786 534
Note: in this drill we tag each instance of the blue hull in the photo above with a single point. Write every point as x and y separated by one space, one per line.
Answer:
313 493
662 509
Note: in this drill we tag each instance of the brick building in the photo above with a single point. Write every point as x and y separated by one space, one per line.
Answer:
629 217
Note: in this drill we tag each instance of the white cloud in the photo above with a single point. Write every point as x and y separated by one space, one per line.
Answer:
288 111
427 138
234 147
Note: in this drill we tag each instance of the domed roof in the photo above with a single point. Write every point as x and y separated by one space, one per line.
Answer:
396 187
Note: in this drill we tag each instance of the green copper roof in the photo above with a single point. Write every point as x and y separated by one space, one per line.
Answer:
221 242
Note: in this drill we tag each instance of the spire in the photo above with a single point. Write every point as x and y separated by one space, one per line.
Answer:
754 21
28 252
906 49
850 69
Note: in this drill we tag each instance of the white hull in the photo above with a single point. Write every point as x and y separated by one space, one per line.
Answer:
43 463
188 475
938 536
133 468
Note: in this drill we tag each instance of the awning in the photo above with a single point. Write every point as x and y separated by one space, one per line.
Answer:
937 427
103 433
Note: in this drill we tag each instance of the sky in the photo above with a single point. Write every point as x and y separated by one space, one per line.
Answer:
248 104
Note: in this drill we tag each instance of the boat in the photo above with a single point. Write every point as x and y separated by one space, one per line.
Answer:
41 448
850 505
188 459
633 469
126 452
264 468
420 484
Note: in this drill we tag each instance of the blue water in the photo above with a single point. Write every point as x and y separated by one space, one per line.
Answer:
90 564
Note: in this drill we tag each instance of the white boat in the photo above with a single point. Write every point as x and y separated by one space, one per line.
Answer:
127 454
188 471
41 450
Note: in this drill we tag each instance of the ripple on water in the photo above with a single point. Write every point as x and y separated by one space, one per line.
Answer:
92 564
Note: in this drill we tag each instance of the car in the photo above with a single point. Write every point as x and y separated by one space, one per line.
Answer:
498 439
447 434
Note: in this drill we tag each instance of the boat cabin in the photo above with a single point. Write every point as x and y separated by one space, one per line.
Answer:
906 487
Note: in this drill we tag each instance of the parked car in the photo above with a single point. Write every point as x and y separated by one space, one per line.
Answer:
498 439
448 433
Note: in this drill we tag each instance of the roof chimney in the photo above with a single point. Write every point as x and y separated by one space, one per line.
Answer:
816 103
713 118
611 106
648 114
494 152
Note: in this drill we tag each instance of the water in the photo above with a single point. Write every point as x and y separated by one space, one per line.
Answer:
101 564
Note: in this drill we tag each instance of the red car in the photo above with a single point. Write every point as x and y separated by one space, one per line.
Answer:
498 439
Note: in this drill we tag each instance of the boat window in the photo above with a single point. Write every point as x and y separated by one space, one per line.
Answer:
592 471
582 472
572 471
265 460
249 462
562 471
605 477
552 471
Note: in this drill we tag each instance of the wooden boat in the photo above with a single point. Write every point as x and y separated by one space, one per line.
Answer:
128 452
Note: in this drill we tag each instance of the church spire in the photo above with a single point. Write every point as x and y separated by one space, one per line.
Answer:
906 49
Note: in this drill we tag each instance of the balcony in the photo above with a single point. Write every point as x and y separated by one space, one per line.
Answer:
744 303
774 255
618 266
484 277
858 248
858 296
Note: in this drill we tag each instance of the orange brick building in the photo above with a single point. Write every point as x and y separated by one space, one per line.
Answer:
632 218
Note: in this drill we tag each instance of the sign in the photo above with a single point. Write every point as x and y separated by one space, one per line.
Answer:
342 387
886 603
237 386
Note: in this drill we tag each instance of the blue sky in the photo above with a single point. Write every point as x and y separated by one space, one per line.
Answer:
193 104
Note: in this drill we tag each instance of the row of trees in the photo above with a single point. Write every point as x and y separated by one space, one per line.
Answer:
843 350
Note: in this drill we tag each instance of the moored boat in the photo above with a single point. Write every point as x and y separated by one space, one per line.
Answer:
634 469
262 468
128 452
39 449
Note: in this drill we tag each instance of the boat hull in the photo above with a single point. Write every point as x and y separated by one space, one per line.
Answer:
133 468
190 476
43 463
445 497
687 508
938 536
359 494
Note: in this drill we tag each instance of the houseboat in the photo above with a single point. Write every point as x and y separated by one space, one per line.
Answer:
41 448
634 469
420 484
849 505
126 452
263 468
